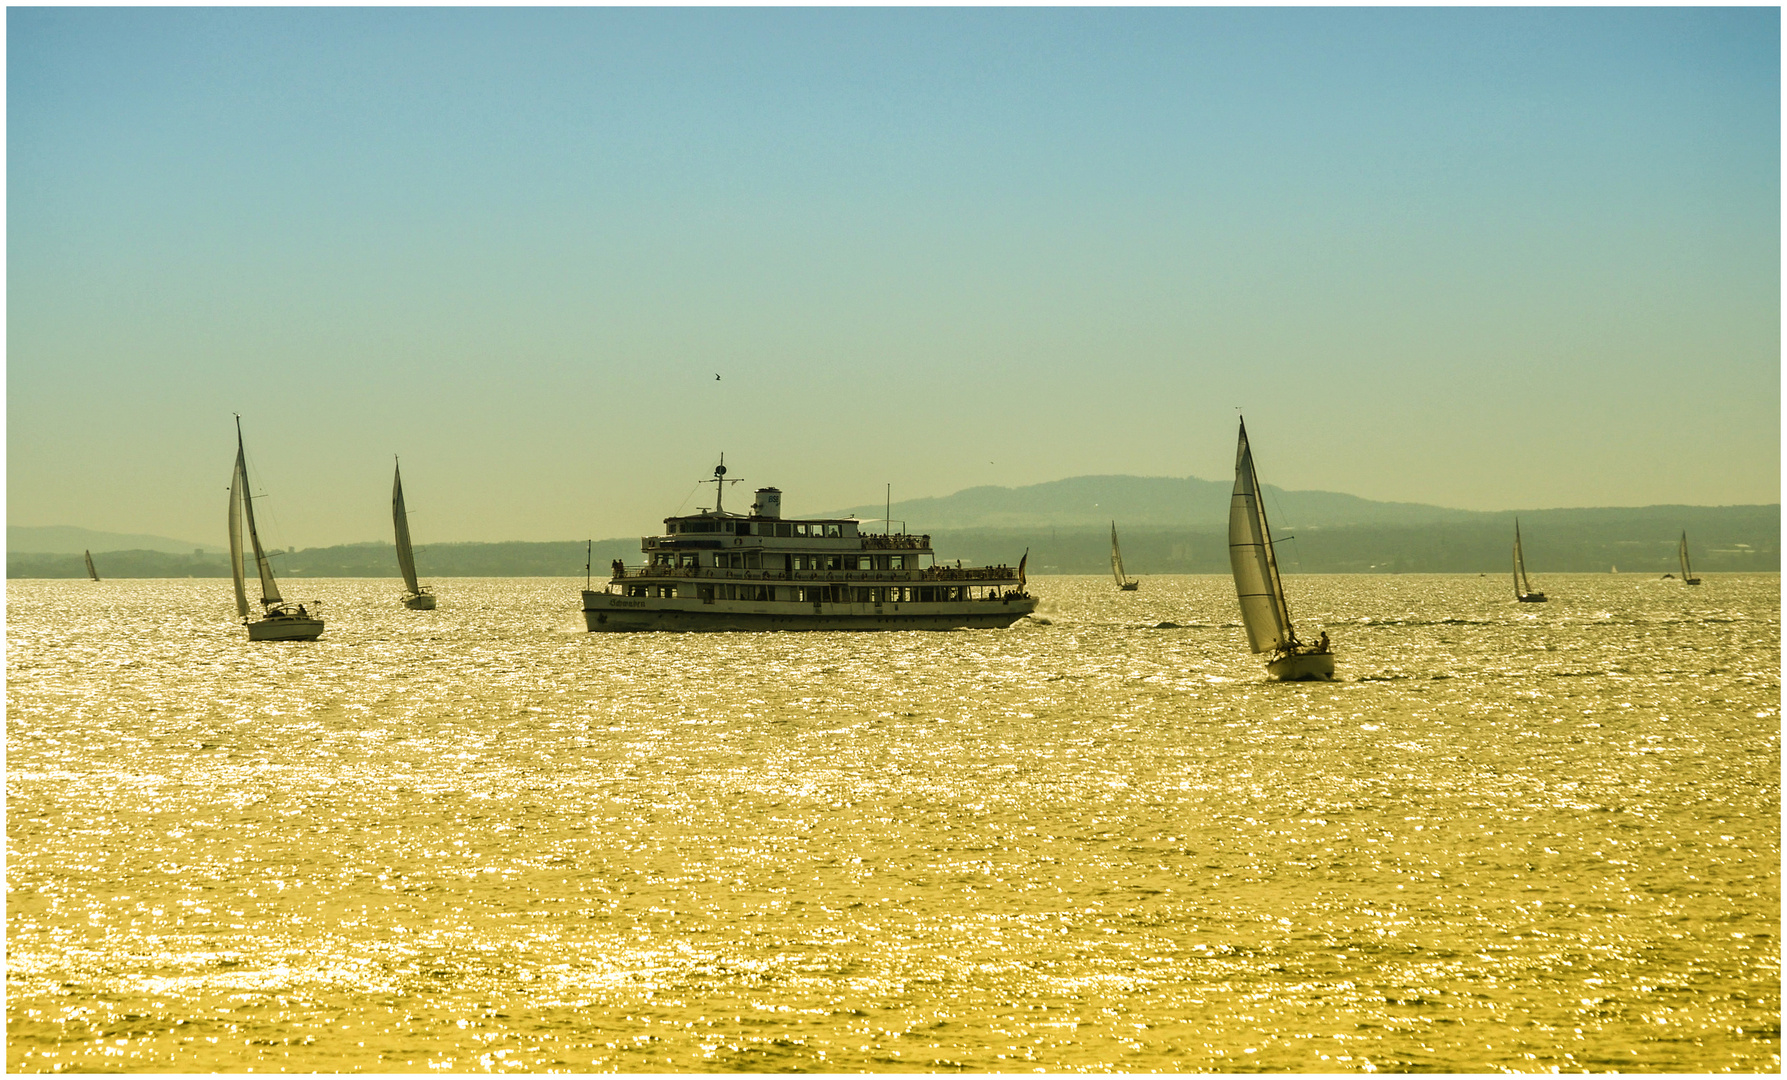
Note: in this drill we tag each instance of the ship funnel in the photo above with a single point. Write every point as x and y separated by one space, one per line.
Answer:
768 504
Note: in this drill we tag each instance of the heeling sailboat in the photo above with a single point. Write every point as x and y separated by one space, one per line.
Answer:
1523 590
1258 586
1124 582
94 574
279 621
416 598
1687 572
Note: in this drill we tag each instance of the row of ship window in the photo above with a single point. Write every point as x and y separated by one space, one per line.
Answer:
758 560
735 527
812 594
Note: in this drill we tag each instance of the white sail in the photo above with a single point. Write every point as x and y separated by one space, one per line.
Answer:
237 482
94 574
1257 585
1521 588
406 559
269 588
1116 557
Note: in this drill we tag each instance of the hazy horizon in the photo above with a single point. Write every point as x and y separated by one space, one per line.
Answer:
695 502
1484 259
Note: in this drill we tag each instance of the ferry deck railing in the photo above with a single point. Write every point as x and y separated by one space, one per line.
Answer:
927 573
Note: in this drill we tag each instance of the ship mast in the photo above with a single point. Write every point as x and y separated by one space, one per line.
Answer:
719 482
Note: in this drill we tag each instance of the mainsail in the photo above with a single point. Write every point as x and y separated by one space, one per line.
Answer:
1686 572
1521 587
94 574
1263 609
1116 557
237 483
406 558
243 497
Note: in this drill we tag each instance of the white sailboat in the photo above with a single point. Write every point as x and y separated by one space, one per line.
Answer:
416 598
1523 590
1687 572
280 620
1124 581
94 574
1258 586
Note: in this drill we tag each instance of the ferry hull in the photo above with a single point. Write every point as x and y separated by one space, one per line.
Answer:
608 611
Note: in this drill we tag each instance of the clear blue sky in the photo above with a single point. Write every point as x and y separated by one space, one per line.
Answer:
1485 258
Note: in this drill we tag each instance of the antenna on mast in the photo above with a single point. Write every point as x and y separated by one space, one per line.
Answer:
719 481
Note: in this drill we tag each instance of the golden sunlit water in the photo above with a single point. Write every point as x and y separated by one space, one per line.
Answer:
1512 837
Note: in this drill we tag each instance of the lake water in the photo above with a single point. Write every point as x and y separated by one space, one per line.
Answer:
1513 837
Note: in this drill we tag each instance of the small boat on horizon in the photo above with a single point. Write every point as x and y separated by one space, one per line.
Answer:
280 620
1124 582
92 573
1687 572
415 597
1523 590
1259 587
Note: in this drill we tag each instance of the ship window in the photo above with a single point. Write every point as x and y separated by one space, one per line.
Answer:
834 530
800 529
862 562
784 529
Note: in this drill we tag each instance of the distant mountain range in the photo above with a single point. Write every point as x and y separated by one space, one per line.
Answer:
1138 502
1168 525
69 540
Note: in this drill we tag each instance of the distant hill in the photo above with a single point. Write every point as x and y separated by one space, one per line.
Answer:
69 540
1168 525
1140 501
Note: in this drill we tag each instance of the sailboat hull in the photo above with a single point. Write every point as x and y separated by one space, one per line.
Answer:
1130 586
285 628
1531 598
1302 667
419 602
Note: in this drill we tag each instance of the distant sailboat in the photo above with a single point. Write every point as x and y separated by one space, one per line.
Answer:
1523 591
416 598
1687 572
1124 582
280 621
94 574
1257 584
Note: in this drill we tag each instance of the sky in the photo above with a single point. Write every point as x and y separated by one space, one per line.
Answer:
1484 258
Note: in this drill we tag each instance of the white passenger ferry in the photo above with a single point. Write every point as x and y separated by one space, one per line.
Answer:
714 570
